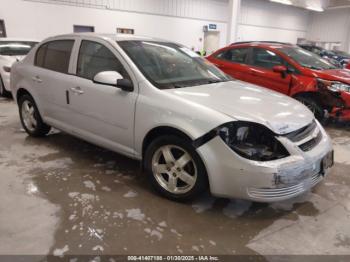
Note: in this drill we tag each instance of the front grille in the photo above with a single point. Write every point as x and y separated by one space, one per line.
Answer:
302 133
309 145
306 138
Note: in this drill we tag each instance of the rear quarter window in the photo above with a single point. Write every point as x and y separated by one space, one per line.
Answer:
236 55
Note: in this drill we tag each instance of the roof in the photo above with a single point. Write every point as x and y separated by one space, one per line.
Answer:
262 43
113 37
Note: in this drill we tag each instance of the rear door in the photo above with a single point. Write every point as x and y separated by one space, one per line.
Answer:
233 62
51 78
261 72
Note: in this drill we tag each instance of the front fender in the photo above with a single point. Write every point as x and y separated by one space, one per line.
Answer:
156 108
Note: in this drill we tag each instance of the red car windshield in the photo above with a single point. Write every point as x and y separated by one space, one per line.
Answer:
307 59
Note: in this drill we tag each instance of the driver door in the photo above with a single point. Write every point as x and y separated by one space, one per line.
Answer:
102 114
261 71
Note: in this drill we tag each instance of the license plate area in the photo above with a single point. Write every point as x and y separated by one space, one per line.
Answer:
327 162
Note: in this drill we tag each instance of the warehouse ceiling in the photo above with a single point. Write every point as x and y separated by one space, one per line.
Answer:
316 5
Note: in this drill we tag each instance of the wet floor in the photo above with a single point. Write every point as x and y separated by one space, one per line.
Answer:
62 196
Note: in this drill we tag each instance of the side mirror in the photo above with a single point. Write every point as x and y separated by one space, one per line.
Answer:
113 78
107 78
125 85
279 69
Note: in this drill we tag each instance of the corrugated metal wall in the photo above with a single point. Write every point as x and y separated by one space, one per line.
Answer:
216 10
331 26
267 14
263 20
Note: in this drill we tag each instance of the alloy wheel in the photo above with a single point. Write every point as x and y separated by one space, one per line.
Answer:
174 169
28 115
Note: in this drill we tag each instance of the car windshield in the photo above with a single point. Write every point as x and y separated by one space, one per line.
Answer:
307 59
15 48
168 65
342 53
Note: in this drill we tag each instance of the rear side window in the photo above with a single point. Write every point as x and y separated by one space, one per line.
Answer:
237 55
95 58
265 58
55 55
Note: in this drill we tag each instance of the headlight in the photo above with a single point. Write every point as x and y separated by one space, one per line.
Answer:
252 141
334 86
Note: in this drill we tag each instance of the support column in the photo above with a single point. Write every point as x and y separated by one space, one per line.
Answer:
234 13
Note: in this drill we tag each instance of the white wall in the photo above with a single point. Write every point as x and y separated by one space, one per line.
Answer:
263 20
331 26
39 20
199 9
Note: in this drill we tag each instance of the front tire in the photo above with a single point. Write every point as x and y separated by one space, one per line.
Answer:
313 106
3 91
30 117
175 169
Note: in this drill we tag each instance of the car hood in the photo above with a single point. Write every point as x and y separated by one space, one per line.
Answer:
342 75
246 102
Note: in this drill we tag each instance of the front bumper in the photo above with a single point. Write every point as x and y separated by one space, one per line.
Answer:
235 177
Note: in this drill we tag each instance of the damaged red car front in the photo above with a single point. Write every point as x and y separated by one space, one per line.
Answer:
321 86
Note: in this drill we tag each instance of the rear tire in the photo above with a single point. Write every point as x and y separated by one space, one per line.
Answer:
313 106
30 117
3 91
175 169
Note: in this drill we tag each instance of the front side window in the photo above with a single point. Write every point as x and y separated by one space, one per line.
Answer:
16 48
55 55
95 58
265 58
168 65
237 55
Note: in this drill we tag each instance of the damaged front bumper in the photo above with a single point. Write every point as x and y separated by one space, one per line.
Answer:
235 177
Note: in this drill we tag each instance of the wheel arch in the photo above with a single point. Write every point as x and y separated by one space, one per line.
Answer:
162 131
308 94
21 92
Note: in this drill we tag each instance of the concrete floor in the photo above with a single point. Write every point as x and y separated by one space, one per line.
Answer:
62 196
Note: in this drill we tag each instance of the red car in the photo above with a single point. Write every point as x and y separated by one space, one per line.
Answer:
290 70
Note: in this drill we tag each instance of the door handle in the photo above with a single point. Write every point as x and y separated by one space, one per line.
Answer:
37 79
77 90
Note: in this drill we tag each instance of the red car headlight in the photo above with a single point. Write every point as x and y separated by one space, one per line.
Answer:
334 86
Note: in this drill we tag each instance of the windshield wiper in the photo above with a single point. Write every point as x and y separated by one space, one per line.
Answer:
313 67
214 81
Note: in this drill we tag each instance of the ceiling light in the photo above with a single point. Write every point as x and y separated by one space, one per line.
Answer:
285 2
314 8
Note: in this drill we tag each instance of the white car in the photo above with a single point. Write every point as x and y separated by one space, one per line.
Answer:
11 50
192 126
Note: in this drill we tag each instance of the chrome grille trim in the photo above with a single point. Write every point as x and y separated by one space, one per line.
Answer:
272 194
309 145
307 137
302 133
